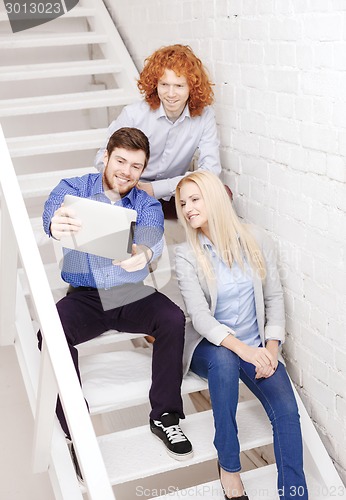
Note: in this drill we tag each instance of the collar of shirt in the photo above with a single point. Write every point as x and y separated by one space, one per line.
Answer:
208 245
98 194
205 242
161 113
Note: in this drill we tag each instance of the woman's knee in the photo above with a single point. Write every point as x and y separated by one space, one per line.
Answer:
285 401
223 364
288 409
223 358
285 407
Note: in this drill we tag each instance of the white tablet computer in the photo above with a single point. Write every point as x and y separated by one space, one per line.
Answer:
107 230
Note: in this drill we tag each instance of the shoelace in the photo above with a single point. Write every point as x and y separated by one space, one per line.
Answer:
174 433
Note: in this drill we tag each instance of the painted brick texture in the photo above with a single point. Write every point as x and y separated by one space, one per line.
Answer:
279 69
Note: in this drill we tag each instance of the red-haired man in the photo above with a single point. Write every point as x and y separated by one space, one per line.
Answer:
177 117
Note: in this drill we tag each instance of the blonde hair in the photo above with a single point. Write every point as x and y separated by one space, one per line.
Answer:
231 238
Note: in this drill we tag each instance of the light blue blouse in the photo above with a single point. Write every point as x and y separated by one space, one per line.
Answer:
235 306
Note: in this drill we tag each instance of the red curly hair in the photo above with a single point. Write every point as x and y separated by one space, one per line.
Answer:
183 62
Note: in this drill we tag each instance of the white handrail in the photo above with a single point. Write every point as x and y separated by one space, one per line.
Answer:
8 253
20 238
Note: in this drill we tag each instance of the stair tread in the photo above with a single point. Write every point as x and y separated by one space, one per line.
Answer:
28 40
56 142
59 70
65 102
136 451
259 483
41 184
110 383
78 11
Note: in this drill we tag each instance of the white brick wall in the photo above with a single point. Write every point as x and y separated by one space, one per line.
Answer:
280 82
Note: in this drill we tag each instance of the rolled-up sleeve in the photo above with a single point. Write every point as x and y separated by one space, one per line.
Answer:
209 156
150 224
274 309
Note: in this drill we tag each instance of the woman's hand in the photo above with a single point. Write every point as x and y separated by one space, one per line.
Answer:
265 359
64 222
273 347
260 357
140 257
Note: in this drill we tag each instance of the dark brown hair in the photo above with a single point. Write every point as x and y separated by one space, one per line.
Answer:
129 138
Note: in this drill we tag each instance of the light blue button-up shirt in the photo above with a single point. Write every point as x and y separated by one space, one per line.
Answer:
235 306
84 269
172 144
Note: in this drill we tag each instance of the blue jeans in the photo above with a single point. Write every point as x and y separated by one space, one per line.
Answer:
223 368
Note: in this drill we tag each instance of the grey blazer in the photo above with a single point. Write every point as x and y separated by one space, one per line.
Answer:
200 294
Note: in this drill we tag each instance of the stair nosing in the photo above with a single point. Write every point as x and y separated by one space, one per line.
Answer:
111 445
51 40
31 184
59 70
266 472
57 142
77 11
115 365
64 102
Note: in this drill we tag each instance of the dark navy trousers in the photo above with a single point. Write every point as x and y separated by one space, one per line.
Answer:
135 308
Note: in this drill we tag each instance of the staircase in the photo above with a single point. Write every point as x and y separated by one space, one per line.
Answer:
61 85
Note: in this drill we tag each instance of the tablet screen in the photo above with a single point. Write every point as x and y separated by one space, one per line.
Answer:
107 230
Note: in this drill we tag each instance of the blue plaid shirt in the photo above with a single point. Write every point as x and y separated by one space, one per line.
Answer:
83 269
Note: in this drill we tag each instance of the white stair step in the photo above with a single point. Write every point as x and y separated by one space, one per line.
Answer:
75 12
107 338
58 70
80 11
41 184
259 484
137 453
54 278
64 102
110 381
56 143
26 40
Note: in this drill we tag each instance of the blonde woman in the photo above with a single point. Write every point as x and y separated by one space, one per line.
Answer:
229 280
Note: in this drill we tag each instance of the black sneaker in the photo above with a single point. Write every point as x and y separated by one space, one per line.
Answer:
75 461
168 430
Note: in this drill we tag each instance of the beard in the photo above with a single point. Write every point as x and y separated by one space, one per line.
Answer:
111 185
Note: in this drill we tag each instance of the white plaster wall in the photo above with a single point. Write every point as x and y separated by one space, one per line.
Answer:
279 68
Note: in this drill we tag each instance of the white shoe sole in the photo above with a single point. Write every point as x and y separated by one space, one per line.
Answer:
177 456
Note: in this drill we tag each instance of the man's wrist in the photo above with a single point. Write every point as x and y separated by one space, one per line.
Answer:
147 252
51 234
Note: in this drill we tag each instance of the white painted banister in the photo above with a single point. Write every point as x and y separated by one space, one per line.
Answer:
44 417
20 239
8 266
318 453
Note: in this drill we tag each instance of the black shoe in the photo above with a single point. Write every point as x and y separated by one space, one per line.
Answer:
75 461
243 497
168 430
